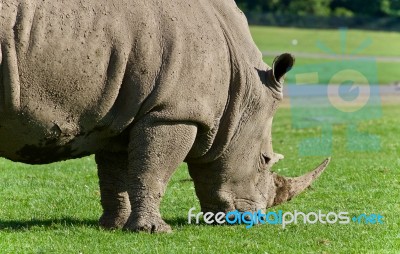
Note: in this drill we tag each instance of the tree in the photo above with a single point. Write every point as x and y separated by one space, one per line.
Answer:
374 8
391 7
310 7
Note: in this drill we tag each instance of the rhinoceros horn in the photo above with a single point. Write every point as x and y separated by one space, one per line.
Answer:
288 187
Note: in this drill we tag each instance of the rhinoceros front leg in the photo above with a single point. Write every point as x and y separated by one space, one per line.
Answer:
112 172
156 149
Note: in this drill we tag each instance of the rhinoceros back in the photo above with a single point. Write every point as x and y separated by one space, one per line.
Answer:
76 74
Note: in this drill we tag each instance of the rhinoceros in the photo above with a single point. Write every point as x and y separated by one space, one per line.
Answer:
144 85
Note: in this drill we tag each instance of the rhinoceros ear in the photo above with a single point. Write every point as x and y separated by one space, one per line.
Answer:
281 65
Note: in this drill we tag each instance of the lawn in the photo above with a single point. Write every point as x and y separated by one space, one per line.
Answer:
333 43
358 42
54 208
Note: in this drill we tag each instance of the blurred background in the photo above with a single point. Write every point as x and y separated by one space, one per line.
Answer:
324 32
375 14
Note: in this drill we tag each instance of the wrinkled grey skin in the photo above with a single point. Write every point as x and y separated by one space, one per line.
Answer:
144 85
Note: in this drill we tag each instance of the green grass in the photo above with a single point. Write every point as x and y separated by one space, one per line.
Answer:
278 38
54 208
381 44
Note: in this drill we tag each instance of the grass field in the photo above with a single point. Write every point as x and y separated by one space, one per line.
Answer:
54 208
333 42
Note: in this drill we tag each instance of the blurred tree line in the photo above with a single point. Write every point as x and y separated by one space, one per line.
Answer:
324 8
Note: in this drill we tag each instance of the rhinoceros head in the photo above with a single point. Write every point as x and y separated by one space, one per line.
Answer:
241 179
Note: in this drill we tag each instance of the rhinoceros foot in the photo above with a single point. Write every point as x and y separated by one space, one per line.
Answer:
149 224
113 221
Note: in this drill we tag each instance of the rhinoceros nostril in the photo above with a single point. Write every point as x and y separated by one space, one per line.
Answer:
266 158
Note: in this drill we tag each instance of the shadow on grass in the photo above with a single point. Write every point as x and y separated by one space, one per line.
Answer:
177 222
21 225
66 222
